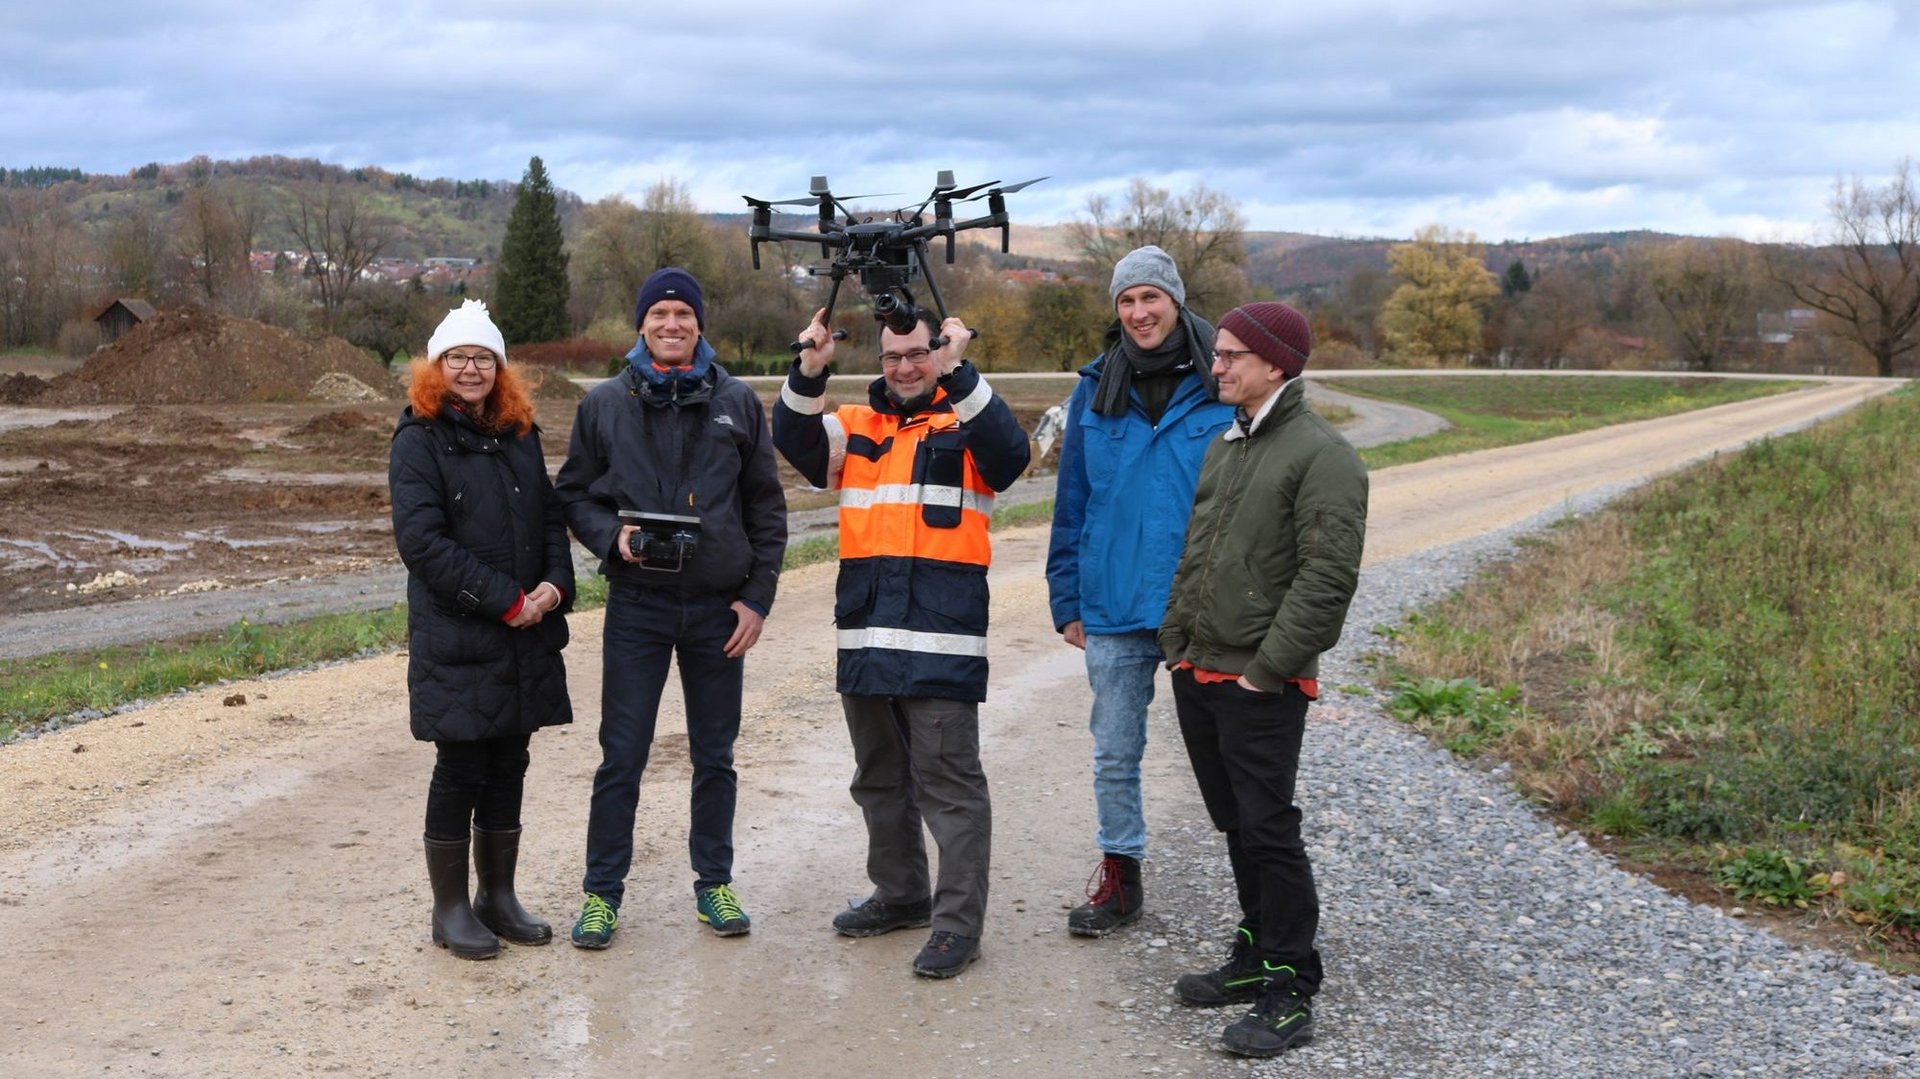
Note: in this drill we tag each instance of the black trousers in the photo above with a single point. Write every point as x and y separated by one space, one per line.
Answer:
647 630
1245 749
477 784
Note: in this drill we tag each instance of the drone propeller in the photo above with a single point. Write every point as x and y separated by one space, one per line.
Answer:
769 204
967 192
974 193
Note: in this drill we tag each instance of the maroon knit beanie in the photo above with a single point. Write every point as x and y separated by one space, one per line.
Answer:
1277 332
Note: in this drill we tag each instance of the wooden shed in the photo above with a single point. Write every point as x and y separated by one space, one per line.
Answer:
120 316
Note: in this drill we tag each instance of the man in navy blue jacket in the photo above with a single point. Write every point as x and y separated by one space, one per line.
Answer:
1138 425
677 439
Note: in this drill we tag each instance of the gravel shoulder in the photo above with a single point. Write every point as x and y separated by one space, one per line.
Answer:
198 887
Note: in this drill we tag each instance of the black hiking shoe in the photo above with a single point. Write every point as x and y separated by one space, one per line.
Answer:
1114 898
945 955
1279 1022
873 917
1239 981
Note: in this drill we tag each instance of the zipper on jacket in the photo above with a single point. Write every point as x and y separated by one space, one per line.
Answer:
1220 521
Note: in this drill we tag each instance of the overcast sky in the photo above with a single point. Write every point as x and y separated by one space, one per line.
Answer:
1510 118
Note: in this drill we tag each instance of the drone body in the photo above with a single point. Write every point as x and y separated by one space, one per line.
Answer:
887 251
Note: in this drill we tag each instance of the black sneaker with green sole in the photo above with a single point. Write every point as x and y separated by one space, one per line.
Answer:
1238 981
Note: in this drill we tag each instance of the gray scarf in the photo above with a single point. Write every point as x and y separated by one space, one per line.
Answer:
1188 348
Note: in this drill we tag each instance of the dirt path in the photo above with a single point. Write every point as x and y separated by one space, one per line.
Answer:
200 888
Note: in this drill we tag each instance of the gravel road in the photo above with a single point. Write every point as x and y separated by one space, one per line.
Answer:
202 887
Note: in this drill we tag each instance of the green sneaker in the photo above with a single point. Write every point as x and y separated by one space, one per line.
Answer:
720 909
597 922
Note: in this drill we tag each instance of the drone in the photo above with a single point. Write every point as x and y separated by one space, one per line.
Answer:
886 250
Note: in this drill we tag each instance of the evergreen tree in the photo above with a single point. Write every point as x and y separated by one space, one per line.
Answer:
530 284
1516 280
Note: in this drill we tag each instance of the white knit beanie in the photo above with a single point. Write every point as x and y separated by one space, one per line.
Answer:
468 324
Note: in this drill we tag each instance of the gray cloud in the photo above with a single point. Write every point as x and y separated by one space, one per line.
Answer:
1690 115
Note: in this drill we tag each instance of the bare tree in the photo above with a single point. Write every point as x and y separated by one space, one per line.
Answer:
218 223
42 255
1709 290
341 238
620 244
1868 277
135 252
1202 229
1549 315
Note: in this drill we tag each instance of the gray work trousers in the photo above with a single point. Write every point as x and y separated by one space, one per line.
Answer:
915 759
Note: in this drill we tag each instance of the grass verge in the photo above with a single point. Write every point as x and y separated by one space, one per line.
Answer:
1489 412
1718 675
46 687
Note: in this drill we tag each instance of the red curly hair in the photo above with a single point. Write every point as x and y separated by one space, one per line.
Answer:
508 408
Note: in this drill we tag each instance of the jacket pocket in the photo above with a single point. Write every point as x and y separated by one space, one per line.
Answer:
944 478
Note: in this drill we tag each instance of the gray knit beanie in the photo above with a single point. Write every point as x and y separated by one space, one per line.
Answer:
1147 266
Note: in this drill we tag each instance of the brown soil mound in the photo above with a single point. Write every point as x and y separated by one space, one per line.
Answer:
18 389
550 385
199 357
340 421
168 425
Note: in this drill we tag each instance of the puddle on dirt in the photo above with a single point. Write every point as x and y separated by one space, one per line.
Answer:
125 539
218 536
298 479
11 418
18 554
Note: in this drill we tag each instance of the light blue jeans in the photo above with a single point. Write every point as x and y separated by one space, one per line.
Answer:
1120 668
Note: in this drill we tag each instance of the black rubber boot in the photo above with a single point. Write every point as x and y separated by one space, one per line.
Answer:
455 927
494 856
1113 901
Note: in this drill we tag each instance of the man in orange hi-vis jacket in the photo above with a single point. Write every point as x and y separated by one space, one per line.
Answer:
917 467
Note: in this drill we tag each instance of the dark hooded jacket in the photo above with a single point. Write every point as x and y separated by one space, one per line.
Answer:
477 525
692 447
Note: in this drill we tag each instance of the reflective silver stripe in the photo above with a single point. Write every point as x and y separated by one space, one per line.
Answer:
909 640
974 403
800 402
836 450
915 494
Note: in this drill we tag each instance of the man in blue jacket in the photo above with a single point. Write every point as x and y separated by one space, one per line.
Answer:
676 439
1138 425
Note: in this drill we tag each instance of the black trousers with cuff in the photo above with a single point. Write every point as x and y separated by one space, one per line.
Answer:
1245 750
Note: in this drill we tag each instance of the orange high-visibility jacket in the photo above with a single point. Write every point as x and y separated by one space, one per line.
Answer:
916 495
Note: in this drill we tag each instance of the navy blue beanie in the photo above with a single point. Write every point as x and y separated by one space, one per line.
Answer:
671 283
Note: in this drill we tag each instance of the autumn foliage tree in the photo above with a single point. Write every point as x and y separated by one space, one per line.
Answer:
1066 321
1434 315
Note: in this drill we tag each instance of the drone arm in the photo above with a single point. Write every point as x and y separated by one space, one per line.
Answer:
826 317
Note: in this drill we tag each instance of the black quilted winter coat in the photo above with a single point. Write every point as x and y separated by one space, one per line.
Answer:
477 524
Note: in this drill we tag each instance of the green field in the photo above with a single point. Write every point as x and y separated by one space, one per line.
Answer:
1721 671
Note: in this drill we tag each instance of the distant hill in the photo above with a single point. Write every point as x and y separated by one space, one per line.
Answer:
467 218
433 217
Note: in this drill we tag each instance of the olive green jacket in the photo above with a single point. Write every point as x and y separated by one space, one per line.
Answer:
1273 548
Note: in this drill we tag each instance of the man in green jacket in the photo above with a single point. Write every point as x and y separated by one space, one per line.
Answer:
1270 564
